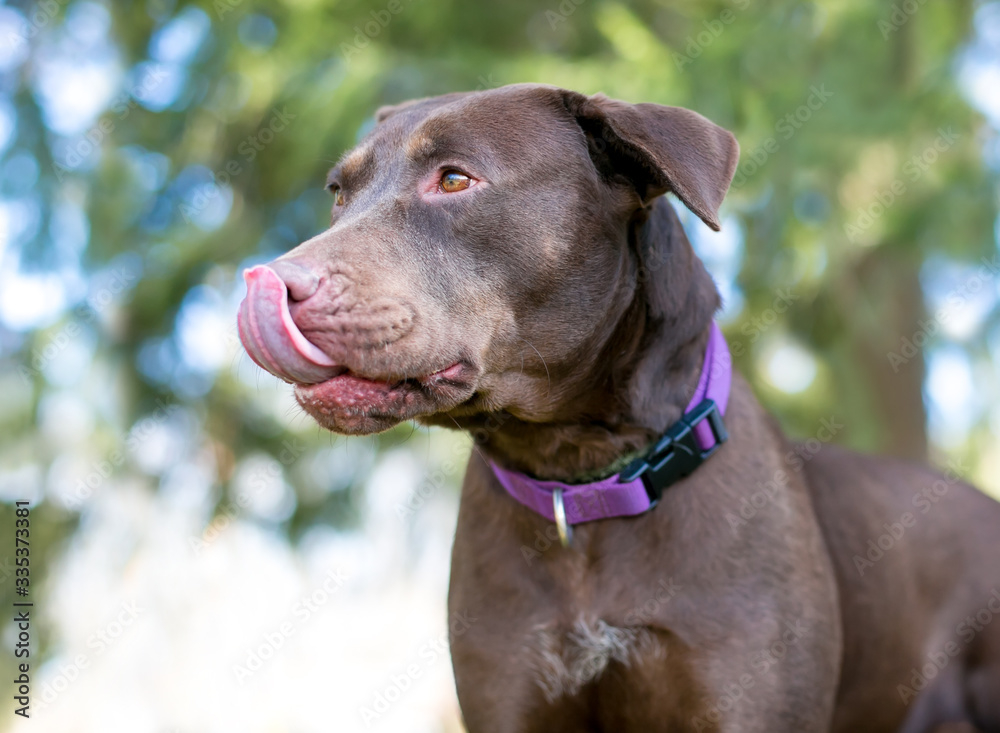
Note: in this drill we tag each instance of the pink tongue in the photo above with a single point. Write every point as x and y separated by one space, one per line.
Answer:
270 335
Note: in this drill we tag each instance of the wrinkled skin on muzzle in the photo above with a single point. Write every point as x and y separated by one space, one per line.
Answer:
442 303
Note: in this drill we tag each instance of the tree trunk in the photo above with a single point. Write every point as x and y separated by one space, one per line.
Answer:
889 284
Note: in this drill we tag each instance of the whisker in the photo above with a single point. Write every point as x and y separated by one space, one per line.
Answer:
474 446
548 378
413 429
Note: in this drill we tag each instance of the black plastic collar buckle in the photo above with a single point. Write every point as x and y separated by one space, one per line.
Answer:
677 453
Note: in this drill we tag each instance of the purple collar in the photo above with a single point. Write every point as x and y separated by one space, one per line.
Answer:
637 489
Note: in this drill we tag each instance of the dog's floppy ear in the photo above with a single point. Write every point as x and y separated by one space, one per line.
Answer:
660 149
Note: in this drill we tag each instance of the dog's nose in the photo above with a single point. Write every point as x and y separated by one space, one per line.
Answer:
298 277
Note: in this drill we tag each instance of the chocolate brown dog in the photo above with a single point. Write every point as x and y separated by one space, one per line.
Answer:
504 262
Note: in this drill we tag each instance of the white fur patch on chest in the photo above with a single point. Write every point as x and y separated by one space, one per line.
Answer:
566 660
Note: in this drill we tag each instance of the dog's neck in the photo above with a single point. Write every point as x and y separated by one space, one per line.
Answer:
640 380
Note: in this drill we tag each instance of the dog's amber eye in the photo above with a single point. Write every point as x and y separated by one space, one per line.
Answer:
454 181
338 195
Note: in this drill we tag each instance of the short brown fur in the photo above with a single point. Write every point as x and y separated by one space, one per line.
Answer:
566 289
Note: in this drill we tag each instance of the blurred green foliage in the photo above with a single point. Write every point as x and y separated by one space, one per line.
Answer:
830 100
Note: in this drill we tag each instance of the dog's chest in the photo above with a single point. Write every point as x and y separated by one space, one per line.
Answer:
565 660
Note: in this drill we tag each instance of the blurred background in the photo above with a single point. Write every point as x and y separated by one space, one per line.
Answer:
204 557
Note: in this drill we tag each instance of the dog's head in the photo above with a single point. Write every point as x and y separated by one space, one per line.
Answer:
482 248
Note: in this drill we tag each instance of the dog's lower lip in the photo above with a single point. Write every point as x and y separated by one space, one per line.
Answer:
449 373
349 403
